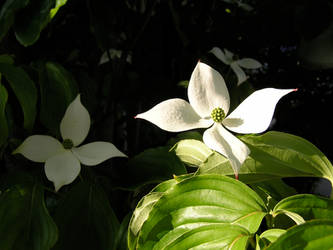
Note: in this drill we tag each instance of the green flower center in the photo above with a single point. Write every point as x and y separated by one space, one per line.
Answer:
217 115
67 143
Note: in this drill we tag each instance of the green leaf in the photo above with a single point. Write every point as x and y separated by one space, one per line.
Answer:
275 155
58 89
268 237
153 166
86 220
306 205
25 221
24 89
3 119
192 152
58 4
32 20
272 234
6 59
317 234
195 206
7 14
273 191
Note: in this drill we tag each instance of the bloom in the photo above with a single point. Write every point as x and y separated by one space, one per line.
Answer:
208 107
227 58
62 160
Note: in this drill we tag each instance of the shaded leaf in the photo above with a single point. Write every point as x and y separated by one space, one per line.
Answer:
153 166
32 20
3 119
25 221
86 220
24 89
7 14
58 89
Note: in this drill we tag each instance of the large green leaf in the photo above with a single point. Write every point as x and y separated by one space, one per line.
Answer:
3 119
25 223
32 20
24 89
274 155
58 89
195 206
307 205
153 166
7 14
86 220
316 234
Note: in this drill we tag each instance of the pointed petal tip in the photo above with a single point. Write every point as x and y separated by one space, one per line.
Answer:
296 89
236 176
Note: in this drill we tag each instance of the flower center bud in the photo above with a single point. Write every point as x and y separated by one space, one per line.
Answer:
67 143
217 115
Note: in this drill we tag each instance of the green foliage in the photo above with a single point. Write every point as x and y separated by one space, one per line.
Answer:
24 89
195 206
25 220
3 120
85 219
58 88
7 14
310 235
153 166
273 155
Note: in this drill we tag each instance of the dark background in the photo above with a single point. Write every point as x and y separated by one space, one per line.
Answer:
165 39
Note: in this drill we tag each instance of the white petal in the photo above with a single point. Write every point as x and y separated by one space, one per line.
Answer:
39 148
175 115
229 55
207 90
222 141
241 76
62 169
96 152
220 55
76 122
249 63
255 113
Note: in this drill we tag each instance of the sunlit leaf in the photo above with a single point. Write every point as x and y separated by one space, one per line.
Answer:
58 5
7 14
307 205
197 206
268 237
317 234
192 152
86 220
25 221
24 89
275 155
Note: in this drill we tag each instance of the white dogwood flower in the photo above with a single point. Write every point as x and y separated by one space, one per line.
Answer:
208 107
236 65
62 160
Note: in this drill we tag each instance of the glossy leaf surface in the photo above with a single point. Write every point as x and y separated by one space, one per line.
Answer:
195 206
